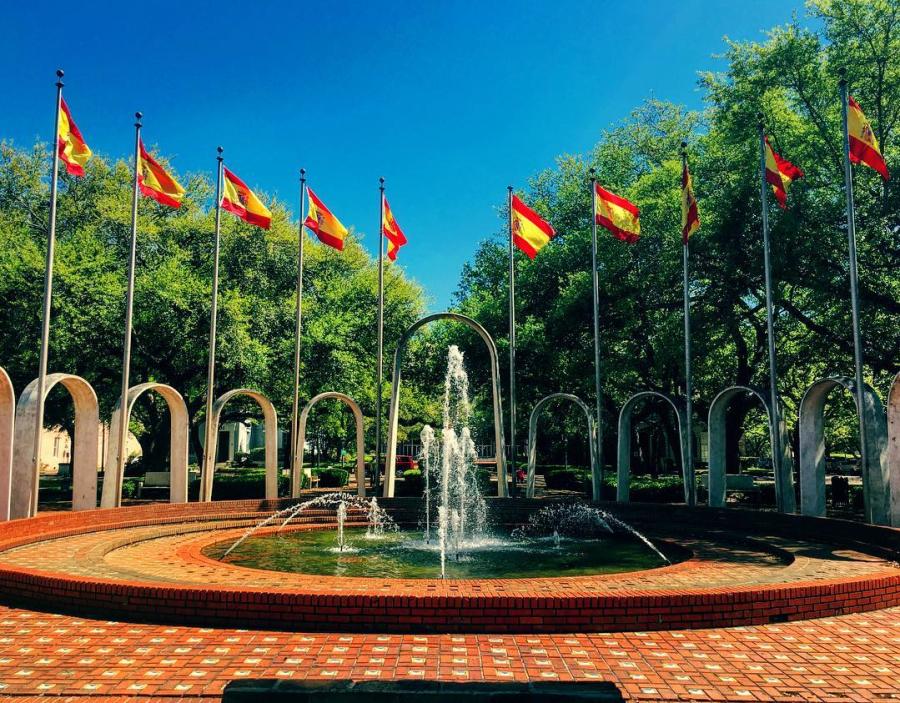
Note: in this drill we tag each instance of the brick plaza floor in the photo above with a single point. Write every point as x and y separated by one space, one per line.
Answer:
849 658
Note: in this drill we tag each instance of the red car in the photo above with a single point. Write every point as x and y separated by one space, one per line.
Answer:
405 462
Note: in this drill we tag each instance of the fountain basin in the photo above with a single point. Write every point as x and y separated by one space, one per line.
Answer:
148 564
406 554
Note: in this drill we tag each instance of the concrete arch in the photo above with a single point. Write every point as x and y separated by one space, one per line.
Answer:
893 453
499 441
270 425
24 496
624 465
784 476
532 441
7 425
178 453
360 441
876 486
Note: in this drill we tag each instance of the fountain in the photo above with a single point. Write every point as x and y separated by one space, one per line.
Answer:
378 518
341 519
571 537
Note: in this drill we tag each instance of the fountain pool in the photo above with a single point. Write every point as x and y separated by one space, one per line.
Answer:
405 554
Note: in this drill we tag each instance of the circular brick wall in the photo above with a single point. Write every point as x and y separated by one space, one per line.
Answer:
146 563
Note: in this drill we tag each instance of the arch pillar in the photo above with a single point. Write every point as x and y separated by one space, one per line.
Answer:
7 426
24 495
623 472
893 453
270 426
877 488
394 417
784 476
592 442
178 453
297 471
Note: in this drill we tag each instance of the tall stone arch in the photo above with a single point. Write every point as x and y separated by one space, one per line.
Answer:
893 457
178 453
7 425
592 442
393 420
360 441
784 476
26 475
624 465
876 486
270 425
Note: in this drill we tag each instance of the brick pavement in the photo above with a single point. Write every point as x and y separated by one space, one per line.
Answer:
849 658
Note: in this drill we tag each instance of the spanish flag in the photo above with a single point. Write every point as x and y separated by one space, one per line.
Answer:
155 182
863 143
780 173
320 220
530 232
239 200
391 230
690 218
72 149
618 215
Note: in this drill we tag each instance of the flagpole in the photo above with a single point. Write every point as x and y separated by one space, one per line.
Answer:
854 292
380 351
129 309
209 448
512 343
598 490
48 297
688 390
297 471
777 449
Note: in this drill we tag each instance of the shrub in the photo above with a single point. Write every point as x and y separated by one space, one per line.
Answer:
571 479
257 455
129 487
332 477
413 483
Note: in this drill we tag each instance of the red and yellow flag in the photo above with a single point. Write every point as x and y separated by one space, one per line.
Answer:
690 217
780 173
863 143
239 200
327 227
618 215
392 231
72 149
530 232
155 182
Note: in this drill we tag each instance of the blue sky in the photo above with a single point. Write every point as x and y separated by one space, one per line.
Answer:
449 101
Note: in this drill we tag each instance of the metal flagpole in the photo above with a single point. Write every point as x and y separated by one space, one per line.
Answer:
48 297
777 449
129 308
380 352
512 343
854 294
297 471
209 447
596 286
688 391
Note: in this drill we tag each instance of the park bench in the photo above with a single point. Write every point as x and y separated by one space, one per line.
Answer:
155 481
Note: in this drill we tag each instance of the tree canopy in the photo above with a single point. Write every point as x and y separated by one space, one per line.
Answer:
792 79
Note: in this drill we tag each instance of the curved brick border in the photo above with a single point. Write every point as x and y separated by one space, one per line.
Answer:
468 611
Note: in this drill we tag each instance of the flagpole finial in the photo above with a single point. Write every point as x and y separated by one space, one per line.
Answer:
381 183
219 151
593 173
59 76
509 188
842 72
302 174
138 116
